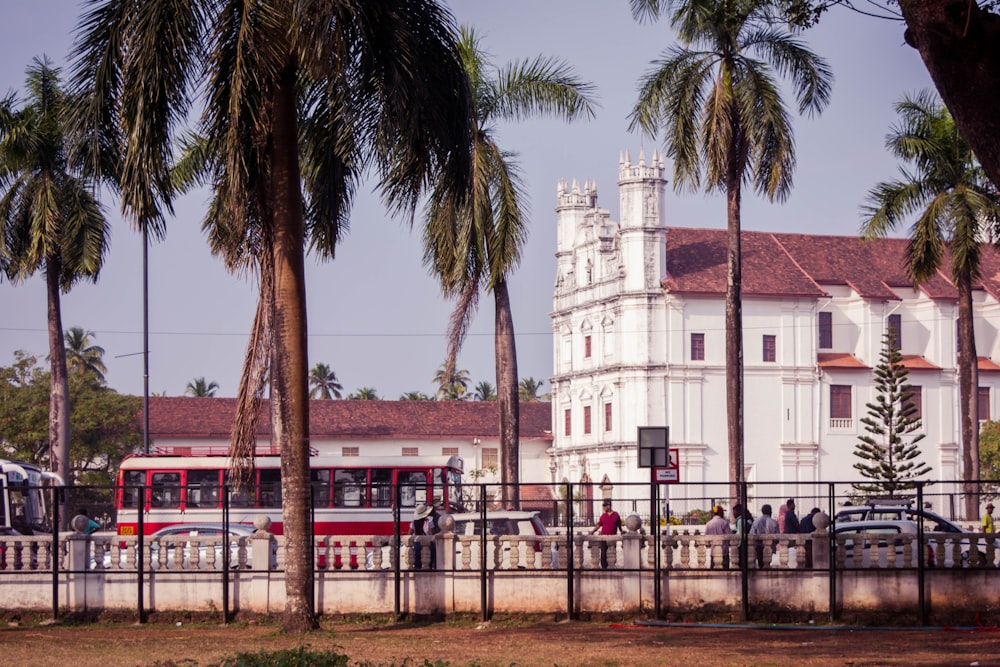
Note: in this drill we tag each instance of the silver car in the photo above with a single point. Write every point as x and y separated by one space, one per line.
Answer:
185 538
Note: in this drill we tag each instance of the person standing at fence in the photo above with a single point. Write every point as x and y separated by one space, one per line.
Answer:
92 526
718 525
424 524
764 525
791 521
609 523
988 518
806 527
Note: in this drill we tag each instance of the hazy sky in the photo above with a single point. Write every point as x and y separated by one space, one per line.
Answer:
375 316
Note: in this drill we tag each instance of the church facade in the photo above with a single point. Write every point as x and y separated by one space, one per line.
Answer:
639 340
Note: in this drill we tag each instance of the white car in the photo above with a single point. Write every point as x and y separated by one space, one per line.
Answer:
867 543
904 511
499 524
201 535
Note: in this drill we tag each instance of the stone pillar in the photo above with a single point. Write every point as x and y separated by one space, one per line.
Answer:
78 565
632 560
262 546
821 542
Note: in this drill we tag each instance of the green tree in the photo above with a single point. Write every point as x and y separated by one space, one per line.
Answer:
475 244
989 457
324 382
415 396
717 100
82 357
50 221
453 384
485 391
301 99
889 453
364 394
105 424
200 388
528 390
952 200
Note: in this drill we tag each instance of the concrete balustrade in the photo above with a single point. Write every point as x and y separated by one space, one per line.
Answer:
356 574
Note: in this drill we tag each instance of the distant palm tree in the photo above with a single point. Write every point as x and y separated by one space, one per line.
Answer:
324 382
49 221
452 386
415 396
527 391
953 203
485 391
364 394
476 245
82 357
198 387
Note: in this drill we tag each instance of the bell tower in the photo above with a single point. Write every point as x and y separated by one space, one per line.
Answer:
641 188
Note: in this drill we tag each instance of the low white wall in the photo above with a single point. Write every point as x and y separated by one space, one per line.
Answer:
627 587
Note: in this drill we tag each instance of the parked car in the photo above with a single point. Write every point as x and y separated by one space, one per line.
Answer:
904 511
896 511
506 522
201 535
850 532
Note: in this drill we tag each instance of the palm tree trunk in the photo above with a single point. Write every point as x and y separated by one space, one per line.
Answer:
734 311
289 368
508 405
968 388
59 427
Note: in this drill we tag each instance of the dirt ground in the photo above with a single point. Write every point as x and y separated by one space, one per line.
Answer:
176 642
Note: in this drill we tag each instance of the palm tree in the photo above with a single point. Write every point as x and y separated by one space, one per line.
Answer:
717 101
452 385
200 388
49 221
364 394
953 202
415 396
324 382
485 391
82 357
301 99
476 244
527 391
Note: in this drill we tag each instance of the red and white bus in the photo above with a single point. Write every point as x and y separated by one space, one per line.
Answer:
353 495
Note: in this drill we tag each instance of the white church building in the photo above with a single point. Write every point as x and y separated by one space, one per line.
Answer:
639 340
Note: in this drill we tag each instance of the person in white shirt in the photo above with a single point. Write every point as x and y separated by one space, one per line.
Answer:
718 525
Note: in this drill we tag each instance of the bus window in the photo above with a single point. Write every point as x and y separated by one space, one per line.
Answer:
320 487
242 498
412 487
349 487
382 487
270 487
166 489
437 474
133 480
202 488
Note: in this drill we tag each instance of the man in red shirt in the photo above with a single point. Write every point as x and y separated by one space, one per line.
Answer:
609 523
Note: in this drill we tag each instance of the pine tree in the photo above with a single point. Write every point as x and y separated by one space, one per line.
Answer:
889 455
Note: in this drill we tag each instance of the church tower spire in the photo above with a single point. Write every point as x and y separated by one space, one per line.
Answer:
641 190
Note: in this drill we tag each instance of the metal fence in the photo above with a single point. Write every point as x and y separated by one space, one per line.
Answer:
664 529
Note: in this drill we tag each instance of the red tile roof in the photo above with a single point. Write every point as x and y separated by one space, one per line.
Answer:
987 365
838 360
916 362
212 418
804 264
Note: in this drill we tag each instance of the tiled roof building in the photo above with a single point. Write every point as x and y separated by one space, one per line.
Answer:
638 315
